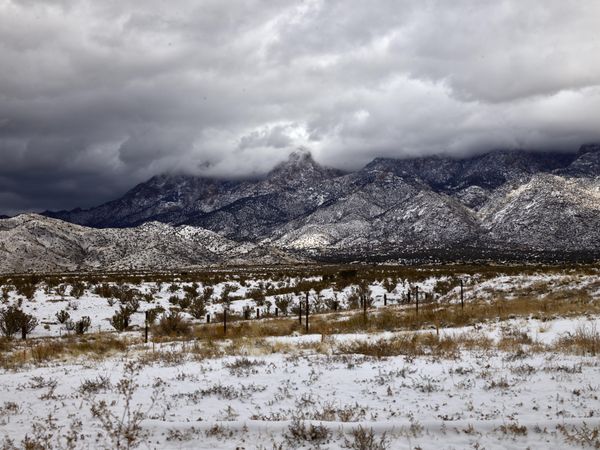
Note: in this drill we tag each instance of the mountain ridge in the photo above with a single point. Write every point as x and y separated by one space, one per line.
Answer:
508 200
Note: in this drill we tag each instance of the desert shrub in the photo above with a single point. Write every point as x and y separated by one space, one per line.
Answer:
186 301
26 288
353 299
225 294
13 320
83 325
197 308
191 291
131 305
104 290
152 313
62 316
283 303
120 320
5 292
172 323
77 289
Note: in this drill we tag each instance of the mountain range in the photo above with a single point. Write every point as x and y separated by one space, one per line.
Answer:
501 205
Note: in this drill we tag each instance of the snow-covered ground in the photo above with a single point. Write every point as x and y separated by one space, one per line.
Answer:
482 398
314 391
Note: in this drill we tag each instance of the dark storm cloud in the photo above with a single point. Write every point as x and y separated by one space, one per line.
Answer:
97 96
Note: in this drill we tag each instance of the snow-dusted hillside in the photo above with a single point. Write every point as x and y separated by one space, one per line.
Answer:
31 242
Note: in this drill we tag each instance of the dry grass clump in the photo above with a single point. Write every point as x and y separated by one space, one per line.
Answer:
92 346
584 341
415 344
249 329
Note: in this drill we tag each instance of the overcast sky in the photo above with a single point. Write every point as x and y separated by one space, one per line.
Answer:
96 96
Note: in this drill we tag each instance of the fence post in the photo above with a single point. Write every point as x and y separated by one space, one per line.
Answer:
462 298
208 318
300 311
146 329
307 309
276 312
224 321
417 299
384 299
258 313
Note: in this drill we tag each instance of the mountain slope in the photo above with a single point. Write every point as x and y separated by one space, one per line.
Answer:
546 212
516 201
30 242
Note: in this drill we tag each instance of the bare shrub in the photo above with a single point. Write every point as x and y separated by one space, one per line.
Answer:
363 439
584 435
123 430
95 385
299 433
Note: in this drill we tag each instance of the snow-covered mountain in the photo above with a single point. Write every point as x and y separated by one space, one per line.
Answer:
34 243
501 201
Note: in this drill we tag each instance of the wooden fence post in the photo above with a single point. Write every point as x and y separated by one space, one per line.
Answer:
146 329
307 309
417 299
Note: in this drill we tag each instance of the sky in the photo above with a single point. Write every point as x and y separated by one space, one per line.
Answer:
97 96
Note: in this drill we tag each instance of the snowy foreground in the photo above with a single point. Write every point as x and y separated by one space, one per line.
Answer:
304 392
436 381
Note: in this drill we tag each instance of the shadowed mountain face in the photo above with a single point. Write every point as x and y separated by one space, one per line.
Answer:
503 200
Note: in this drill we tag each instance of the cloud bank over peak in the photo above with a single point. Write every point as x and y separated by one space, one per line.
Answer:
96 96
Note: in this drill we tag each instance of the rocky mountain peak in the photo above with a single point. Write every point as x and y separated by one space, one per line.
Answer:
589 148
301 166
